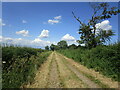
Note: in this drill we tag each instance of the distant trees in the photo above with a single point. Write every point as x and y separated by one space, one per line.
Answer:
73 46
52 47
89 37
62 44
47 48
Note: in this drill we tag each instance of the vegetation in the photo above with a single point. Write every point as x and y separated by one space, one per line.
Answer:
20 65
104 59
96 55
47 48
88 31
60 45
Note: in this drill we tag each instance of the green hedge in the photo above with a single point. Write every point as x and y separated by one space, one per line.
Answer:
105 59
22 70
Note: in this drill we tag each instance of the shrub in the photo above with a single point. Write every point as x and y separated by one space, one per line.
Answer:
21 65
105 59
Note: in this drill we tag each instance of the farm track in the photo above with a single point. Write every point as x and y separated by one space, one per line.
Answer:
61 72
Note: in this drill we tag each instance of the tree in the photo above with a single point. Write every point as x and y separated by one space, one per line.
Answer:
52 47
56 47
101 11
47 48
62 44
73 46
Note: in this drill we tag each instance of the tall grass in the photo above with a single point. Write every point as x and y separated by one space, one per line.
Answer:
20 64
104 59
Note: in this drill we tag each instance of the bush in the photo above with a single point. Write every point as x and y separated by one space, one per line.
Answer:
105 59
21 65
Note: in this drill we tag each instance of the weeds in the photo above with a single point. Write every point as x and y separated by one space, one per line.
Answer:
20 65
104 59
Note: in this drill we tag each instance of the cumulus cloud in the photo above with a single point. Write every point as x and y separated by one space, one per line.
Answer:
23 32
53 21
58 17
9 40
24 21
44 34
104 25
1 22
37 42
0 38
68 37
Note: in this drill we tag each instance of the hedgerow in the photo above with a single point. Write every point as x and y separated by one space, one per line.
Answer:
104 59
20 65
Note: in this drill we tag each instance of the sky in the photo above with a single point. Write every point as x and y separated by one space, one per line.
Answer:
38 24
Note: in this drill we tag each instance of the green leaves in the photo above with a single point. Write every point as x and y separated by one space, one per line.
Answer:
87 31
47 48
62 44
21 69
104 59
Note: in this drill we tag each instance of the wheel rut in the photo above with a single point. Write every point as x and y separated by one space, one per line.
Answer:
54 79
60 72
84 79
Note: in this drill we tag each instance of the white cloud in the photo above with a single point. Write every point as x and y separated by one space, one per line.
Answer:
55 43
104 25
24 42
53 21
24 21
82 44
70 39
0 38
23 32
58 17
20 39
1 22
67 37
39 42
44 34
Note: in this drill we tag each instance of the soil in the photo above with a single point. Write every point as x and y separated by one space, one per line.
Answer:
59 71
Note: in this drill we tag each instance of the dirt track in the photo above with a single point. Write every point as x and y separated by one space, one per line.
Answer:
61 72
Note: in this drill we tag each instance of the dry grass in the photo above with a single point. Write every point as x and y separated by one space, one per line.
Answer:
41 75
107 81
69 79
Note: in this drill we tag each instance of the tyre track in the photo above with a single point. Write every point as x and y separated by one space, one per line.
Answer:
69 79
104 80
42 75
54 80
61 72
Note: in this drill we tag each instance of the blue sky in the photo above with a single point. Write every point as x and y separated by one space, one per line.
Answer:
45 23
